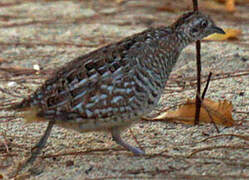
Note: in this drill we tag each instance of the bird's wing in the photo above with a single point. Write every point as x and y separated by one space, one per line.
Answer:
96 85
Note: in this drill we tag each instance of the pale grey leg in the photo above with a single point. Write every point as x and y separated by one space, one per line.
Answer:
116 137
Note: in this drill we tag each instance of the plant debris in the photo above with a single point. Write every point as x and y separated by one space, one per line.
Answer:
218 112
230 34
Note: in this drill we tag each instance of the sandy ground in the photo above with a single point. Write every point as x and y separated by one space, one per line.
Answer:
51 33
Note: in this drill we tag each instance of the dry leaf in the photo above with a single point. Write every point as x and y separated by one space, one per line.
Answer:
221 113
230 5
119 1
169 7
2 60
213 5
230 34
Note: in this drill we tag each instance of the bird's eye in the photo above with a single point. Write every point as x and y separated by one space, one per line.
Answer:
204 24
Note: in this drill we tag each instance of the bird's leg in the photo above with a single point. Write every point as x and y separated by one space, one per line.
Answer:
38 147
116 137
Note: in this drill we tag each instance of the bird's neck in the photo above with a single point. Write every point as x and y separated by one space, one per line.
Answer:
162 48
170 46
182 39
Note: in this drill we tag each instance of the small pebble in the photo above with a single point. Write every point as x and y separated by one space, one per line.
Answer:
36 67
12 84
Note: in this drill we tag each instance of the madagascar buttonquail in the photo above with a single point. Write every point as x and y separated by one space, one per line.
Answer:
112 87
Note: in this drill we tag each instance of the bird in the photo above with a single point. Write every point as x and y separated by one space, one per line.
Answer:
111 88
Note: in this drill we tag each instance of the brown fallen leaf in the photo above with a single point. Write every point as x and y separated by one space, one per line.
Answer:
212 5
220 112
2 60
230 5
169 7
237 1
119 1
230 34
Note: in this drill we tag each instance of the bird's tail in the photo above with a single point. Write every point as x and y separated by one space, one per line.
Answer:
25 110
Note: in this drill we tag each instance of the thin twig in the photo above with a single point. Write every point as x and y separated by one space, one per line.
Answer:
202 98
83 152
206 87
244 137
210 115
236 146
11 94
5 143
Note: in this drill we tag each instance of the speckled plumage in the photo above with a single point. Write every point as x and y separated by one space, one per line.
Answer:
113 86
109 86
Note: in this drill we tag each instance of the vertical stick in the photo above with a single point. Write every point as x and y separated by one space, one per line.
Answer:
195 5
198 91
198 64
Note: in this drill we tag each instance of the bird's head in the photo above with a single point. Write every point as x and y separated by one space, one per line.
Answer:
196 25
